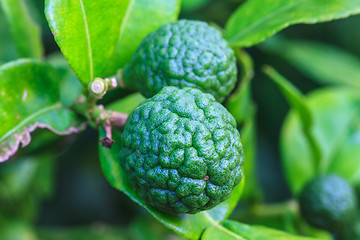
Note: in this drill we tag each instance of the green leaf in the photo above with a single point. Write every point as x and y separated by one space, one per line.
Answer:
70 87
30 99
86 32
336 113
240 231
256 20
25 32
127 104
242 107
141 18
297 101
248 138
188 225
7 45
323 63
239 103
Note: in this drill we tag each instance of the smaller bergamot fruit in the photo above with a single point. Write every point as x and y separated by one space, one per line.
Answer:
185 53
328 202
182 151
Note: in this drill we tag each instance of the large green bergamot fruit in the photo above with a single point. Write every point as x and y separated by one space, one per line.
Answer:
182 151
185 53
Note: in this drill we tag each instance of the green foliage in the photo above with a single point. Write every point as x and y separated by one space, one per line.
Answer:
90 47
328 202
22 27
141 18
256 20
336 113
296 100
332 65
98 38
28 103
183 54
239 231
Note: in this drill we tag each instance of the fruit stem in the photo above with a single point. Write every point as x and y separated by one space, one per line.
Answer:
97 114
118 80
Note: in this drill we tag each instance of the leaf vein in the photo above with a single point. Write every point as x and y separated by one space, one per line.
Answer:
23 123
88 40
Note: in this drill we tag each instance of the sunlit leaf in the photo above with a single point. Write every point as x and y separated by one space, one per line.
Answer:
86 32
256 20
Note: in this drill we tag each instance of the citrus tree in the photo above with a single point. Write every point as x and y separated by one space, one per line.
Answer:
169 88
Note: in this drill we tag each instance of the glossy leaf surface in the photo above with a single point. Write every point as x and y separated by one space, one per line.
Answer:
256 20
86 32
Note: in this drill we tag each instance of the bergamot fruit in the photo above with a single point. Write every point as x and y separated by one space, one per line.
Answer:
328 202
185 53
182 151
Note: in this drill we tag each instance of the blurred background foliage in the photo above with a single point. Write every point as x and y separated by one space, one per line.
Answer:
55 189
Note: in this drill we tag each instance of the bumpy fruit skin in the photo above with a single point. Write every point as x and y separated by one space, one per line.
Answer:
183 54
328 202
182 151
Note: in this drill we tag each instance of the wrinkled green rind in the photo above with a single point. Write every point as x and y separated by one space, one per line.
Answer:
30 99
336 114
185 53
182 151
232 230
86 32
328 202
256 20
323 63
189 225
141 18
25 32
